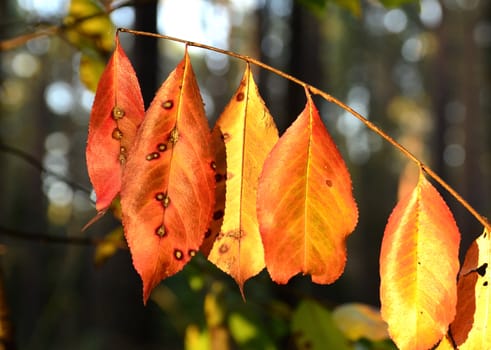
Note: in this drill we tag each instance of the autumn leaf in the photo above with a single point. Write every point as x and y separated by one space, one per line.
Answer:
471 328
115 117
245 132
167 193
418 268
305 204
88 27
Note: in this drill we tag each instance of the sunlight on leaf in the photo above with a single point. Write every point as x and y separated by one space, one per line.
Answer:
313 328
305 203
245 133
418 268
358 321
168 184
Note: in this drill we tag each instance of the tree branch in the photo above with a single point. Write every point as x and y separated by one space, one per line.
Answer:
39 166
56 239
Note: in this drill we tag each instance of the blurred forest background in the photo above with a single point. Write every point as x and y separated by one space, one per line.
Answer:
421 71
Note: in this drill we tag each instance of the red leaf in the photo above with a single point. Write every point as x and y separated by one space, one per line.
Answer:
116 115
471 328
418 269
167 193
305 203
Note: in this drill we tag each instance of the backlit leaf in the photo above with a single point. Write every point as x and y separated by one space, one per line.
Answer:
116 114
418 268
305 204
313 328
471 328
245 132
167 193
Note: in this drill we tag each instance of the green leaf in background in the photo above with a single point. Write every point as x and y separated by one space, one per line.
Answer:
359 321
107 248
90 70
89 28
396 3
248 333
313 328
318 7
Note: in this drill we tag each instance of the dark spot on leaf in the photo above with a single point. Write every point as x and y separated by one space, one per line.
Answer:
160 231
160 196
208 233
174 136
191 252
223 249
240 96
307 345
152 156
161 147
213 165
167 104
481 270
178 254
122 154
219 177
166 202
117 134
218 215
118 113
329 183
485 284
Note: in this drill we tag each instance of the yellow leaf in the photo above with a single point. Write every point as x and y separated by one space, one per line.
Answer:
88 25
107 248
247 132
358 321
471 328
418 268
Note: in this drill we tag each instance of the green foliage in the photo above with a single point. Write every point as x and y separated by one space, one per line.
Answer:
313 328
353 6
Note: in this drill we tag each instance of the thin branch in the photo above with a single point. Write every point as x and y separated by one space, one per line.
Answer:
335 101
50 238
38 165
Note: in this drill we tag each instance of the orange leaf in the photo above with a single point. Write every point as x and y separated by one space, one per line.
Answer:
418 268
116 114
246 133
305 204
471 328
167 193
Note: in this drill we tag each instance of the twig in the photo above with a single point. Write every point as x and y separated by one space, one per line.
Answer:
335 101
38 165
50 238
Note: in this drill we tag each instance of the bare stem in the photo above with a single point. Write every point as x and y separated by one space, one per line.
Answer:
50 238
335 101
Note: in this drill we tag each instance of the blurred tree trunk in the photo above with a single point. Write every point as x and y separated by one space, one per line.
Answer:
145 51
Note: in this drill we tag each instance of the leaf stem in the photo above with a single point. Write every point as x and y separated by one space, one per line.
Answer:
335 101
